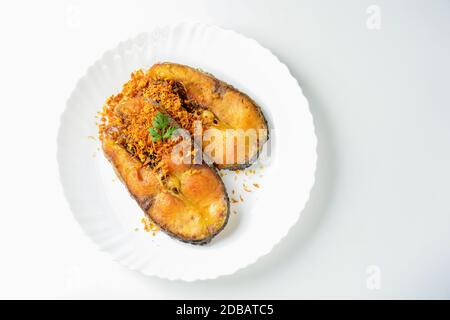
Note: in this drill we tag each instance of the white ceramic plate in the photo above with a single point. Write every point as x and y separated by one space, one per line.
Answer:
109 216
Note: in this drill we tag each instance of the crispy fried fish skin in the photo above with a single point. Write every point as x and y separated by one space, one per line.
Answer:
232 108
194 211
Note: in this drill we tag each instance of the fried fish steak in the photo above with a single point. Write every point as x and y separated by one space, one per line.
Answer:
189 201
230 109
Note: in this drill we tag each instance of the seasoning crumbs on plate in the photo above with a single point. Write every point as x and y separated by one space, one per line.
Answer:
149 226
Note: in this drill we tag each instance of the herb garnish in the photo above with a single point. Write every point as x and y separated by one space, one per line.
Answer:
161 129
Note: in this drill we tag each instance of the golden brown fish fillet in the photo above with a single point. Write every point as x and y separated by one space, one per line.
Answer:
230 108
188 201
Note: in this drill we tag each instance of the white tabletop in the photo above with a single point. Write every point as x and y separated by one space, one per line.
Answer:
377 76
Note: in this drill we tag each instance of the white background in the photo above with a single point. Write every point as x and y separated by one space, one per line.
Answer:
381 105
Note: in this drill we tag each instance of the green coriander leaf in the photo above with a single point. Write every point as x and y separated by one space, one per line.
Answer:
153 132
156 120
160 121
159 131
169 132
